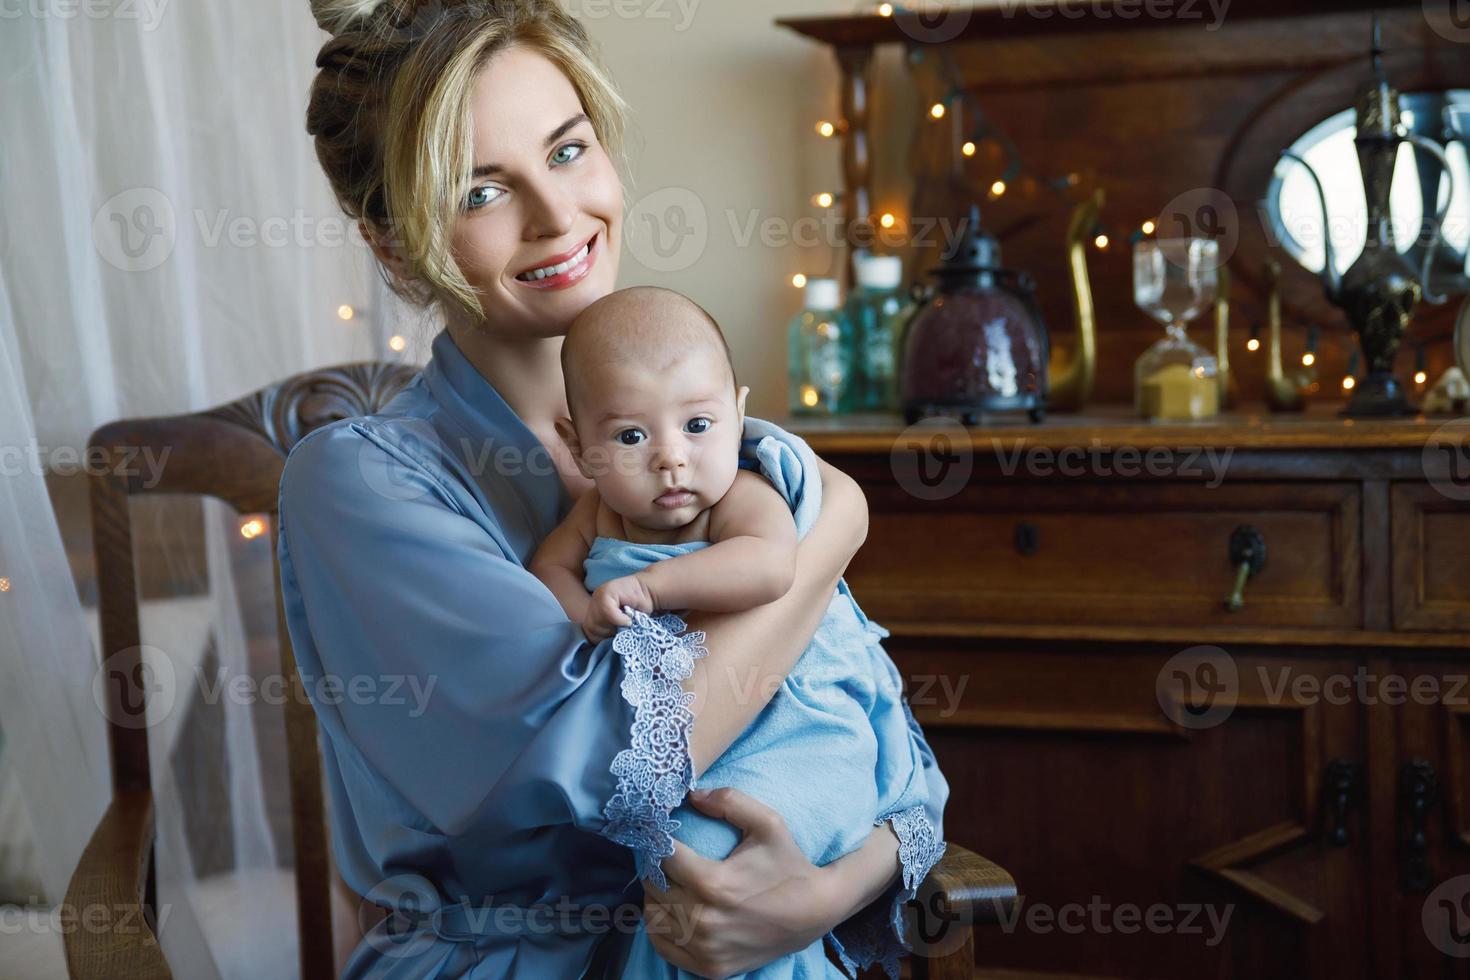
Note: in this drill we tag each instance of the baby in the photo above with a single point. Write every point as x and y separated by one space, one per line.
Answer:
675 523
656 421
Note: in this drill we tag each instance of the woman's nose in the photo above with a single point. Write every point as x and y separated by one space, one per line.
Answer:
550 212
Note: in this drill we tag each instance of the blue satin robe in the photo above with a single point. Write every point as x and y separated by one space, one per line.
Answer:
473 741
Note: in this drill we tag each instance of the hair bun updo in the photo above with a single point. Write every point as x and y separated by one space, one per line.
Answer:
339 16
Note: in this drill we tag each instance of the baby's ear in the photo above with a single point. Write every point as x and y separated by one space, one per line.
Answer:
740 401
568 433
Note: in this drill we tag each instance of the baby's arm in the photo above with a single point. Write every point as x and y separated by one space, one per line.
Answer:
751 562
558 562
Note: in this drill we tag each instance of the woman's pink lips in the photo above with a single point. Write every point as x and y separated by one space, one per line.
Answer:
572 275
672 500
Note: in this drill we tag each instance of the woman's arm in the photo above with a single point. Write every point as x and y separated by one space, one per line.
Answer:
751 652
766 899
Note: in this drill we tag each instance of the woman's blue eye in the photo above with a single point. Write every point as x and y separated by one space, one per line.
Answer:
477 198
699 425
575 148
623 437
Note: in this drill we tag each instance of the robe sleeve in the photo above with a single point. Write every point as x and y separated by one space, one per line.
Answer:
525 724
876 933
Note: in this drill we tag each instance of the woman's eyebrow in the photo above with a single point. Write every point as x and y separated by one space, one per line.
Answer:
486 169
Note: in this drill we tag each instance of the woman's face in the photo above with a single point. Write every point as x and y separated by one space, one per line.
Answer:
539 235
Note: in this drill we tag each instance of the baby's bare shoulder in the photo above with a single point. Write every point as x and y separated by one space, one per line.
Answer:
750 506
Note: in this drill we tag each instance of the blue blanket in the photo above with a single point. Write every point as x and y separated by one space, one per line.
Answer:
838 729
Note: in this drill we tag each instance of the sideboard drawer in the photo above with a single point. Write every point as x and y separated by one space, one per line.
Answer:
1109 553
1431 559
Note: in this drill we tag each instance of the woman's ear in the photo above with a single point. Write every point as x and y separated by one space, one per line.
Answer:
568 433
388 250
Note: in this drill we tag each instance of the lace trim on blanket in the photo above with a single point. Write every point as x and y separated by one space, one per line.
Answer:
654 772
875 935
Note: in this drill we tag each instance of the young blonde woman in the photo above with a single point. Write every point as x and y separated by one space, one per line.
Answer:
477 144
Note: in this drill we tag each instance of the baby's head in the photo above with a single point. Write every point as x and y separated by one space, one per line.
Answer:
654 405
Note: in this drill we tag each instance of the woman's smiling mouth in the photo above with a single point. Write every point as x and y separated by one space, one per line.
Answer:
564 270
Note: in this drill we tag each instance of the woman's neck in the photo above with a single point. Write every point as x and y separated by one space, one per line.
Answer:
526 373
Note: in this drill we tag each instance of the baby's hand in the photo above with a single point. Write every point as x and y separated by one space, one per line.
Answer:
605 611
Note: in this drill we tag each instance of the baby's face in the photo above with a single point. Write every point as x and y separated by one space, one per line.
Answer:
661 446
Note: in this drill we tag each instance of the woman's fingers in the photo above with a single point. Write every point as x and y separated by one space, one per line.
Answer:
740 809
685 866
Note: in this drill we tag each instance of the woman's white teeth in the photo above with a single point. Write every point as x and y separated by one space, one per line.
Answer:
556 270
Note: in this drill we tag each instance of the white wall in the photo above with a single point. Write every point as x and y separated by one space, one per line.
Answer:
724 106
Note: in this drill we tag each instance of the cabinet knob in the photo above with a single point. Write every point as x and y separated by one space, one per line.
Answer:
1342 786
1028 538
1418 792
1248 555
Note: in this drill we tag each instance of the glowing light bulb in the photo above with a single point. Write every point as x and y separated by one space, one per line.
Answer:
1148 227
1420 377
252 528
887 220
968 149
1348 382
937 110
1308 359
823 200
798 280
998 188
809 396
396 343
1101 241
885 10
825 129
4 585
1253 345
345 312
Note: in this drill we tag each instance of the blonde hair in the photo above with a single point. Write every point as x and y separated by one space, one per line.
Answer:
389 111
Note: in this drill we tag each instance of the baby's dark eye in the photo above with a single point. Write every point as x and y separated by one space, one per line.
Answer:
629 437
697 425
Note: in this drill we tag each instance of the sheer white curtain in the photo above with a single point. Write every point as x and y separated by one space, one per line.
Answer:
167 243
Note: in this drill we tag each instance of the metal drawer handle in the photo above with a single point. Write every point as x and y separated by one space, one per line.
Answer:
1248 555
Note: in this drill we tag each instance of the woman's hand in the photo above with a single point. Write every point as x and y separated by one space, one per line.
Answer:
762 902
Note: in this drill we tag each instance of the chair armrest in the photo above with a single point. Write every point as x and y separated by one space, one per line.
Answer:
108 938
968 887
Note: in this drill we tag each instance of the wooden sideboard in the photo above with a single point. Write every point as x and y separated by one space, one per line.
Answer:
1146 757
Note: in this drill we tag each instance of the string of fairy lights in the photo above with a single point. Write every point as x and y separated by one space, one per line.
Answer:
960 106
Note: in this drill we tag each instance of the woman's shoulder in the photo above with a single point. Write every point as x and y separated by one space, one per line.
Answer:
367 460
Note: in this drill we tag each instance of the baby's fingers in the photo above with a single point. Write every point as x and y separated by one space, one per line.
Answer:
612 611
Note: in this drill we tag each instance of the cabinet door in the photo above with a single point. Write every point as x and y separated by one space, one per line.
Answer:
1431 559
1153 831
1422 799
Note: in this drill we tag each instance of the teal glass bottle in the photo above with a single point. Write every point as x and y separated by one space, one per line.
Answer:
878 310
819 362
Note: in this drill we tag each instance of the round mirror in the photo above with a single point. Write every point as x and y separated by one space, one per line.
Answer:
1295 211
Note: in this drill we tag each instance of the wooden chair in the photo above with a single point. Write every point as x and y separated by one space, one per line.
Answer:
236 453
